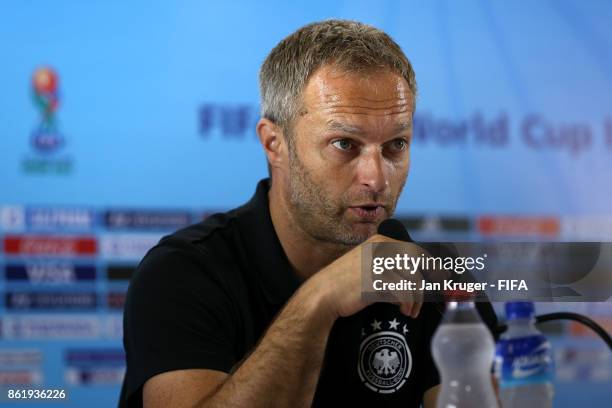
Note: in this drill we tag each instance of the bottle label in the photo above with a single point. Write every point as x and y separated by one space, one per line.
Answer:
523 360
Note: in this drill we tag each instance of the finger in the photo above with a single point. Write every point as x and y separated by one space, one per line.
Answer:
406 308
416 309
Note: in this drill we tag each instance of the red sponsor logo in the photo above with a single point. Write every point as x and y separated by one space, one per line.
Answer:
580 330
116 300
20 377
519 226
47 245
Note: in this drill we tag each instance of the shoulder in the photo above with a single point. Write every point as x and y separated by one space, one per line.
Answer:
199 239
200 254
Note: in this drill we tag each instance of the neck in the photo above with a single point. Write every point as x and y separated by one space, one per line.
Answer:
306 254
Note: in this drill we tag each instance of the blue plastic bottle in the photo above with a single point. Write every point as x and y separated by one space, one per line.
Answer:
523 361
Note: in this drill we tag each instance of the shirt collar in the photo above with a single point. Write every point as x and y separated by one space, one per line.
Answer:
264 248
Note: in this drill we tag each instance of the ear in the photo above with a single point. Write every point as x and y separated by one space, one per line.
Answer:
273 142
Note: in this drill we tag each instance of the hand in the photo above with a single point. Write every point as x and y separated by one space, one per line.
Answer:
340 283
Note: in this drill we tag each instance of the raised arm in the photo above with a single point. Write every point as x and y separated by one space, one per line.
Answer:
284 367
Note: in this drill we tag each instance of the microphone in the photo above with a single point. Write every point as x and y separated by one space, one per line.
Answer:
392 228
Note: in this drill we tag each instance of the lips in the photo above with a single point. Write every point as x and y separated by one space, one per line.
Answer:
368 212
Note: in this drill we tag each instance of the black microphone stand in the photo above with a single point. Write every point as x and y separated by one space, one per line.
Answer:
591 324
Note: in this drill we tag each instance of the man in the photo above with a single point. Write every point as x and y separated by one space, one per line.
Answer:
262 306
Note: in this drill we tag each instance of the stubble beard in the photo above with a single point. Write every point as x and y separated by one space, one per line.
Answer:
319 214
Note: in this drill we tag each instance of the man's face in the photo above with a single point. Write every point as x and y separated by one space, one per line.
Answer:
350 153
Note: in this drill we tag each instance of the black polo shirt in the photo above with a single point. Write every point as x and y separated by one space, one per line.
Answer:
204 296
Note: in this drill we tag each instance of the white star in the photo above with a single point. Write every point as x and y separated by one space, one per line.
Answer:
405 330
375 325
393 324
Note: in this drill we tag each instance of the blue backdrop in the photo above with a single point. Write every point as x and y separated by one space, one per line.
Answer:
122 121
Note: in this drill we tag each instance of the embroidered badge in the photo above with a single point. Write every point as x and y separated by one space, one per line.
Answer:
385 360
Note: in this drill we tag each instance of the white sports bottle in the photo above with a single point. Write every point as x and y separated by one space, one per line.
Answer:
463 350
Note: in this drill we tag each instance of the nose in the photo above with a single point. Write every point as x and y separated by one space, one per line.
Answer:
371 171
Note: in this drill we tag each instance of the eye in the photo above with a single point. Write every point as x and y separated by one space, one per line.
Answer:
399 144
342 144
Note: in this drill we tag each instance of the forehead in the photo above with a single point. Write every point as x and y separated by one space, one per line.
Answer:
331 90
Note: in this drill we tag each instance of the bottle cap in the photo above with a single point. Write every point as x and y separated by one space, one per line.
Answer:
457 295
519 310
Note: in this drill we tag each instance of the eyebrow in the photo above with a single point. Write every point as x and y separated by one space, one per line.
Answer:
356 130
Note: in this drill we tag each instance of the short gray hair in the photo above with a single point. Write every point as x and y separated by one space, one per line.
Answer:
349 45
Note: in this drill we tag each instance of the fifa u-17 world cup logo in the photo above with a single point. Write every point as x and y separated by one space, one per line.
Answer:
46 137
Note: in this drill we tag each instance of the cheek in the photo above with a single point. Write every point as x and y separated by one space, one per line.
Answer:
326 176
398 172
407 165
314 156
